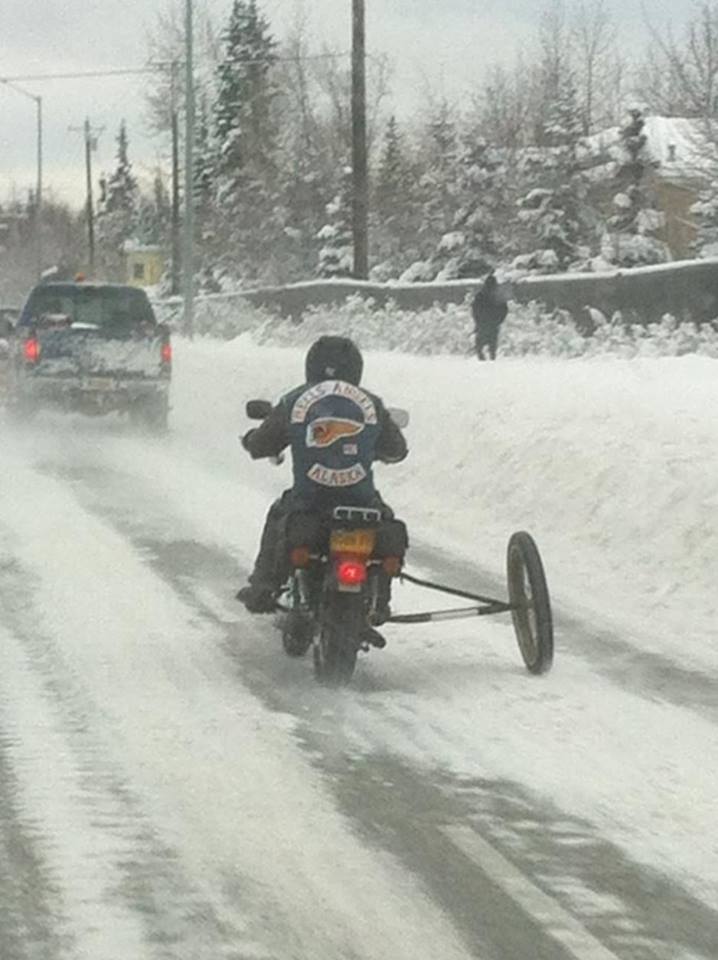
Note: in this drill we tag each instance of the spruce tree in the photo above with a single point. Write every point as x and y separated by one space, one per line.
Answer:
395 212
154 214
631 237
336 256
247 178
118 211
438 194
471 247
554 212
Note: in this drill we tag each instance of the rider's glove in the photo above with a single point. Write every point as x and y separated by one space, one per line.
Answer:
247 438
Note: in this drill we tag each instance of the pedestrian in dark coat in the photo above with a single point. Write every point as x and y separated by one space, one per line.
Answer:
489 309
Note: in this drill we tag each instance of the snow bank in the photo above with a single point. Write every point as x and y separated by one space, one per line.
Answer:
528 330
611 464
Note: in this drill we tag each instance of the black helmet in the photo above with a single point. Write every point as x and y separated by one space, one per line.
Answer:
334 358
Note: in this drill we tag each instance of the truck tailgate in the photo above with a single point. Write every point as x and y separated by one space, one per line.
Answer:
82 352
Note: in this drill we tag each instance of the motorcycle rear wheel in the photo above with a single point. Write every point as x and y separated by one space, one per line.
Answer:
297 633
531 606
336 646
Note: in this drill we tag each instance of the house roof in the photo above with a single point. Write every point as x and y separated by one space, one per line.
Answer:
679 145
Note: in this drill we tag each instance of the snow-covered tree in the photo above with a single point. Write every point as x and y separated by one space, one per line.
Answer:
154 214
438 193
247 180
306 171
631 238
563 124
553 210
336 256
204 187
471 247
395 211
118 210
705 216
503 106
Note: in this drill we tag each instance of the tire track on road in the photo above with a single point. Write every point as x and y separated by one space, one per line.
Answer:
403 810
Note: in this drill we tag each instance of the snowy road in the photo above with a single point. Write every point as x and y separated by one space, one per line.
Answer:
172 787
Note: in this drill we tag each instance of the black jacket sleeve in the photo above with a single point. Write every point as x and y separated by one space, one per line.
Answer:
271 437
391 446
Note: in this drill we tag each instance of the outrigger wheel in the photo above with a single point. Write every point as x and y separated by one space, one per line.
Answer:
530 603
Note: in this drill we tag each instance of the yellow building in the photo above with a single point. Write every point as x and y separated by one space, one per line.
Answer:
144 265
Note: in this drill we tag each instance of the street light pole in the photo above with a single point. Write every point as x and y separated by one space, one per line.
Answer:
188 257
38 187
38 191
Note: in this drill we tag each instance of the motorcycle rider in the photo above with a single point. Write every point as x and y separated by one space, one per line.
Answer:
335 430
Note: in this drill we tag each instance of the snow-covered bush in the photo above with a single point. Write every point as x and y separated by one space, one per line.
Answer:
529 330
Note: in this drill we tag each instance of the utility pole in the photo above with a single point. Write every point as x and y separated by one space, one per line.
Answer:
359 145
90 136
188 258
175 223
90 203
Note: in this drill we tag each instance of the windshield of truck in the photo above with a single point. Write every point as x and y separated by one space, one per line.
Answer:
95 306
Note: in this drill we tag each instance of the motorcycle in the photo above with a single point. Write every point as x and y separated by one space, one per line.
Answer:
340 565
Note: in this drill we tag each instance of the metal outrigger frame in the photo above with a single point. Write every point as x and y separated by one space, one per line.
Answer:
486 605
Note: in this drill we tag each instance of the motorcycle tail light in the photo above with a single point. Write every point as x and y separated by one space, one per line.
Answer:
299 557
351 573
166 353
31 350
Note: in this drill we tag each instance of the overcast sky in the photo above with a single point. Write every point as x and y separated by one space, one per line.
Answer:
449 43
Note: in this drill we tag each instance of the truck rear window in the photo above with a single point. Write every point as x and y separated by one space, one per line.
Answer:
99 306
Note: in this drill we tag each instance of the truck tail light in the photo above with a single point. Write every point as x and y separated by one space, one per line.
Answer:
31 350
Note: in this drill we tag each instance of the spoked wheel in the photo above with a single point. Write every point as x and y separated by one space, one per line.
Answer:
337 644
531 606
297 633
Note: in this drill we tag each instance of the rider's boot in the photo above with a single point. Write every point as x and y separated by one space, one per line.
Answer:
373 638
258 598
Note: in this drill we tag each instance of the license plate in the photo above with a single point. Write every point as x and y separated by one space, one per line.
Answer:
359 542
98 383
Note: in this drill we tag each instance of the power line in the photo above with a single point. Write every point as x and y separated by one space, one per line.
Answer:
81 75
155 68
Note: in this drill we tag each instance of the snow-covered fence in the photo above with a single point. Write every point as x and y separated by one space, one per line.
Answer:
686 289
529 330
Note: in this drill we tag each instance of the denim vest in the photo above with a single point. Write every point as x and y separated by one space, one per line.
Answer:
333 430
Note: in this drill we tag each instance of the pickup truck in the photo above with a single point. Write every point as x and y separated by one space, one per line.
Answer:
90 348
